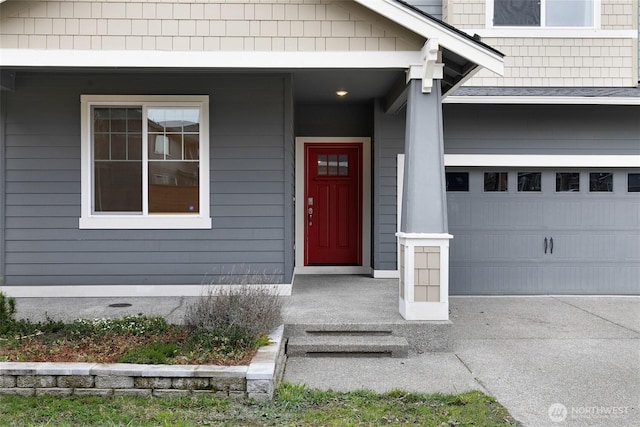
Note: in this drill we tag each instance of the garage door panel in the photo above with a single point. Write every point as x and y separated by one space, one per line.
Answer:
498 245
511 213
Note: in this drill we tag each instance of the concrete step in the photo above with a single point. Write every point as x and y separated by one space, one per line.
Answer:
349 344
428 336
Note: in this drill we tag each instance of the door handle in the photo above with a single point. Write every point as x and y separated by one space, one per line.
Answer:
551 243
310 213
546 243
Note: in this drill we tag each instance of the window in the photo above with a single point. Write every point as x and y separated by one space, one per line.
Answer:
601 182
567 181
457 181
529 181
495 181
633 183
145 162
543 13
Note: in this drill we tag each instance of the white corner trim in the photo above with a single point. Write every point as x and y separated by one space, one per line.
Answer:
453 41
386 274
105 291
543 160
206 60
542 100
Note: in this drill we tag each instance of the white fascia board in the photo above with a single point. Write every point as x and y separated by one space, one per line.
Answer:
199 59
457 43
542 160
543 100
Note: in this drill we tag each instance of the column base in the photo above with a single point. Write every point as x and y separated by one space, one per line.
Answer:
424 276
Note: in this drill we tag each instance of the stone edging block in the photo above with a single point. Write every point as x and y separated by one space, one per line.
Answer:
257 380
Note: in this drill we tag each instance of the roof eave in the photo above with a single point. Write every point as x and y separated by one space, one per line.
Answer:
448 37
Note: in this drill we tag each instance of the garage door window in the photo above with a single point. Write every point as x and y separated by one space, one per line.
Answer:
633 183
495 181
529 181
457 181
567 181
601 182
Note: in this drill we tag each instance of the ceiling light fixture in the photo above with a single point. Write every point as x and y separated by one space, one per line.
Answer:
341 93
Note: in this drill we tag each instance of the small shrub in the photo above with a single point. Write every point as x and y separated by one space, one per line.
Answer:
157 353
7 313
239 314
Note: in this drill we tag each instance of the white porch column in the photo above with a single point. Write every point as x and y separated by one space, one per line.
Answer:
423 236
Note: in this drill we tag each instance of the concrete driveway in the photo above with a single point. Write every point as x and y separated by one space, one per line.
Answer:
551 361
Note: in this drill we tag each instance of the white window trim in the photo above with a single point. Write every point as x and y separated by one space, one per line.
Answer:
597 12
89 219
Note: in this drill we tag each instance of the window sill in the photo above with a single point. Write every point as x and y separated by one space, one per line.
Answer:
551 32
159 222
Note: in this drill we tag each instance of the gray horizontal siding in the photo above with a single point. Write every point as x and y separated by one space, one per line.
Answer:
43 243
541 129
388 143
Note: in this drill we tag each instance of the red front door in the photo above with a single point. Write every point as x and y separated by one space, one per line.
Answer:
333 204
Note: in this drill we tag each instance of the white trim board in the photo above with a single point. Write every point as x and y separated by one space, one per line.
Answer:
300 216
386 274
205 60
305 270
543 160
551 33
104 291
542 100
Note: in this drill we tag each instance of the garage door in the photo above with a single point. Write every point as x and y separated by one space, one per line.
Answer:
544 231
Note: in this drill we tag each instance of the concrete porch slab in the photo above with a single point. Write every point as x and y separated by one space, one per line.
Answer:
343 303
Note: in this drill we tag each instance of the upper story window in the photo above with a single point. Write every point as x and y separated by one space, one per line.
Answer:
543 13
145 162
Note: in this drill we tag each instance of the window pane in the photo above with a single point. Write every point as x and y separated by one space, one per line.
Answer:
118 186
518 13
457 181
569 13
333 164
529 181
191 147
567 181
118 120
601 182
134 147
633 183
322 164
173 187
495 181
343 165
119 146
101 150
117 141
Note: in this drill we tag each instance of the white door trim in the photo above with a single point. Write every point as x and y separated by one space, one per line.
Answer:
365 268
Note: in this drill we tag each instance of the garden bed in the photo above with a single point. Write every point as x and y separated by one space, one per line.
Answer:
256 380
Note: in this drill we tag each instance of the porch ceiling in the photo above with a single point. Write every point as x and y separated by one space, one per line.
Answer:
320 86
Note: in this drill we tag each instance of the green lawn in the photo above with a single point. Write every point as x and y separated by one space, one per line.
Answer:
294 406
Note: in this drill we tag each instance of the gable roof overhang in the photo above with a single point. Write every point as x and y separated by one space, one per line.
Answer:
461 55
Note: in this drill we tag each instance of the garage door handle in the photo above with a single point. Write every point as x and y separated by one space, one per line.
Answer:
551 243
546 243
